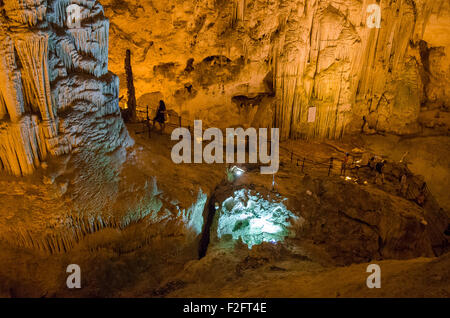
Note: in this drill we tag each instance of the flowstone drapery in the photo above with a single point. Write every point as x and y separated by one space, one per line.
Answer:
328 58
272 63
50 69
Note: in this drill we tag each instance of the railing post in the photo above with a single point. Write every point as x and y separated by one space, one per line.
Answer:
331 166
303 164
179 120
148 125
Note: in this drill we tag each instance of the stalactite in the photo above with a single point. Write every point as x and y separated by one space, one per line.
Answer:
238 12
10 80
33 52
17 156
74 227
338 65
72 60
58 15
93 40
46 67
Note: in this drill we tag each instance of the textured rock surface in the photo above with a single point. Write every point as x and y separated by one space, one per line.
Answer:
103 196
56 94
134 218
135 228
251 218
351 223
258 62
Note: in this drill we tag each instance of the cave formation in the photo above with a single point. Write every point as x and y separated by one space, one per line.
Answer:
87 176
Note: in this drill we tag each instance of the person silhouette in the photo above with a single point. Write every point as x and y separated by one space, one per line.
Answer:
160 116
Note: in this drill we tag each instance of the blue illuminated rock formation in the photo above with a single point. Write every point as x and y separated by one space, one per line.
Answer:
253 219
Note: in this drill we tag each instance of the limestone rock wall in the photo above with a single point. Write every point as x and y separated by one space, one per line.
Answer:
56 94
259 62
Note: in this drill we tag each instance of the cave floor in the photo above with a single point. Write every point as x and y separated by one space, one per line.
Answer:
119 264
298 278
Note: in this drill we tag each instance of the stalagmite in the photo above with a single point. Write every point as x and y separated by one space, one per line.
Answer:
131 103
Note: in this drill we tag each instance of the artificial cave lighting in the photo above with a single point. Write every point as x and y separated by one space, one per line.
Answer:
254 219
237 171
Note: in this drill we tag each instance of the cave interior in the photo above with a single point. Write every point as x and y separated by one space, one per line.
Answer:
347 102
